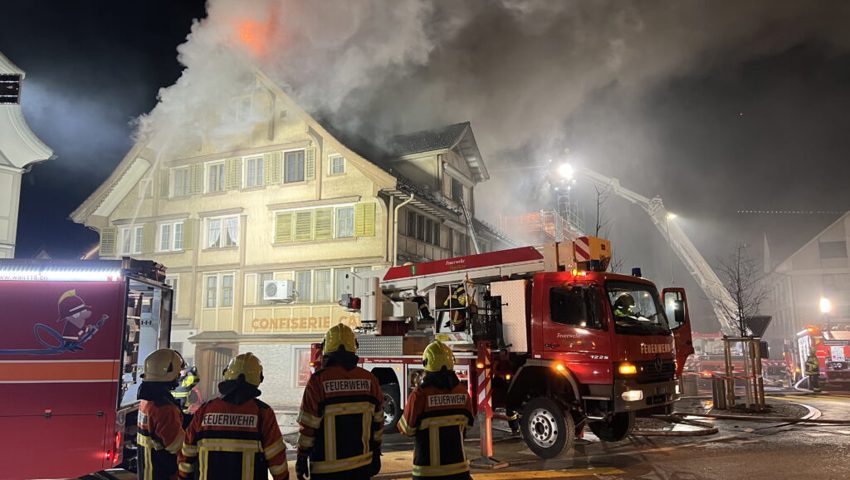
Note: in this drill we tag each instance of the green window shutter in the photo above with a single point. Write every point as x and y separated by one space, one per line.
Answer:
283 228
163 183
364 220
196 180
273 167
324 224
148 237
108 240
310 164
233 174
190 233
303 226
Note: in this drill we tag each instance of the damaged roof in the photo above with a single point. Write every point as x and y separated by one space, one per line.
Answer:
456 136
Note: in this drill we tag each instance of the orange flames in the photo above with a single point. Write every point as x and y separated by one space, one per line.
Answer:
253 35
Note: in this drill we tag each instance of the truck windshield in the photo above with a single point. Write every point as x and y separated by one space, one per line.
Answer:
636 309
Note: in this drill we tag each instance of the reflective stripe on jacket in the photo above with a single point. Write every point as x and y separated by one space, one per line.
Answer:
437 419
160 436
226 441
341 419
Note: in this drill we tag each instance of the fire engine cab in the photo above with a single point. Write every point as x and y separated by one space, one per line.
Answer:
831 345
75 335
572 345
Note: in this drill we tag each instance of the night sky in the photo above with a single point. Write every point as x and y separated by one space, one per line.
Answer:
749 114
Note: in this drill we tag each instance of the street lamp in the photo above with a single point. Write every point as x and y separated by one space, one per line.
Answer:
667 218
566 171
825 308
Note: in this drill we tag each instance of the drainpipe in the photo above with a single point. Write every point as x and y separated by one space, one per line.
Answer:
395 228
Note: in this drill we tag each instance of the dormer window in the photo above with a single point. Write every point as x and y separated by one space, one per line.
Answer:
10 89
457 190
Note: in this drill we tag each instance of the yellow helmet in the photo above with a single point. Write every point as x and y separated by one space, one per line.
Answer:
340 335
436 356
246 364
163 365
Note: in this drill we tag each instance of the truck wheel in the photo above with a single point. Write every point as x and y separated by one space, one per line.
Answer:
616 429
546 429
392 406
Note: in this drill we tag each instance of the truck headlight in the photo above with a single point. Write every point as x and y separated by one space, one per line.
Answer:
632 395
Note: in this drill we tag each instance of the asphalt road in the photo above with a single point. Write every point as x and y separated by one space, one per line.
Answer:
741 450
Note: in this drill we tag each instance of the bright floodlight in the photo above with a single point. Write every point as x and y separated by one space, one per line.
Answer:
825 305
565 170
671 215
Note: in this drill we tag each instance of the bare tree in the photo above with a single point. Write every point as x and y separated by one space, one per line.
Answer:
744 280
601 198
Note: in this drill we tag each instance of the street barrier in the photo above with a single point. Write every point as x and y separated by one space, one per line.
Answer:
484 366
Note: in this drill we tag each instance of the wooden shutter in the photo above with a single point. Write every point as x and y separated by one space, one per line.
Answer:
196 179
148 237
272 167
364 220
164 190
283 228
190 233
233 173
310 164
324 224
108 242
303 225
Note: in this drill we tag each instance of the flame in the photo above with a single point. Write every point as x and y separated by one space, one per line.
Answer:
252 35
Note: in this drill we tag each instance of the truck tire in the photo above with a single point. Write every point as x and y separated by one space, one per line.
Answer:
546 429
616 429
392 406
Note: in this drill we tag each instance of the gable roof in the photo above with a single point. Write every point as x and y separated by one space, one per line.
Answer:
458 135
787 260
19 145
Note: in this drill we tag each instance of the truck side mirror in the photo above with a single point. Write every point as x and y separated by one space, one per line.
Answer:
679 312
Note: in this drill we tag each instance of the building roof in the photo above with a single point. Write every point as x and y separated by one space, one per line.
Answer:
19 145
458 135
785 264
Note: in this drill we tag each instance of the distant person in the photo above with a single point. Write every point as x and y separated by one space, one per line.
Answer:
813 371
342 415
160 422
436 415
187 382
235 436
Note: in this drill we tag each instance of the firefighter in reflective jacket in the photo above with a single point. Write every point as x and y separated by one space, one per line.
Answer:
235 436
457 299
188 381
437 415
813 371
160 422
342 415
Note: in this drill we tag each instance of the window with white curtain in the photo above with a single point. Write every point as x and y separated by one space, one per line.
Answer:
303 286
323 286
345 222
222 232
215 177
253 171
138 236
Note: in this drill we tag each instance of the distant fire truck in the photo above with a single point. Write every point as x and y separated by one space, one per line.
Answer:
572 345
74 334
831 345
708 360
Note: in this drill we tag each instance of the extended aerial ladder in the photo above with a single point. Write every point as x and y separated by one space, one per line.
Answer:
720 298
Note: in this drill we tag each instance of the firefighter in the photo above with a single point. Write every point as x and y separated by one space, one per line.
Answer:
457 298
188 381
624 304
437 414
160 422
235 436
342 415
813 371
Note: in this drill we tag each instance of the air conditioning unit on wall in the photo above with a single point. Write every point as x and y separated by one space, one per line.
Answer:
279 291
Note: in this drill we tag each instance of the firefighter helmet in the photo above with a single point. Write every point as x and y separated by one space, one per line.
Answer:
339 336
70 304
163 365
624 303
438 356
246 365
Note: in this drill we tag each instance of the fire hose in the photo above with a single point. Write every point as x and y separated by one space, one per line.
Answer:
753 418
705 428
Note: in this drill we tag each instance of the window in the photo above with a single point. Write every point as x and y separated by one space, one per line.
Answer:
303 287
171 237
138 236
126 244
420 227
215 177
341 283
177 235
344 222
302 365
165 237
172 282
457 190
832 249
253 171
223 232
180 182
411 224
337 165
10 89
293 166
145 188
211 291
323 286
242 107
218 290
262 278
635 309
227 290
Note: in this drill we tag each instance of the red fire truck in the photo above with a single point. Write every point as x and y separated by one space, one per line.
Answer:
74 334
709 360
832 348
565 352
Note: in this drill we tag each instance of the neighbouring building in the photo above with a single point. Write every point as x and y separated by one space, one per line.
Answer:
19 149
295 202
819 269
